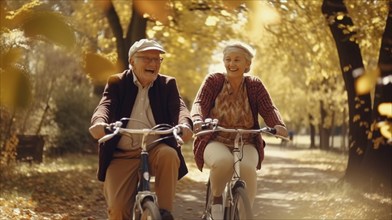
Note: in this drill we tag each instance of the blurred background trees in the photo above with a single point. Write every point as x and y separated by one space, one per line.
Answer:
57 55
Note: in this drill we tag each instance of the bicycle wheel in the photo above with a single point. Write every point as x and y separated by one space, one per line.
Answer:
241 208
150 211
208 203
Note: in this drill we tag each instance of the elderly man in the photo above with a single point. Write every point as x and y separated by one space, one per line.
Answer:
140 93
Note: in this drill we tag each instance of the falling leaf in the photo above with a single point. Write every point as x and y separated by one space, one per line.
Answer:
233 4
157 10
50 25
385 109
98 68
385 129
366 82
15 88
340 17
10 57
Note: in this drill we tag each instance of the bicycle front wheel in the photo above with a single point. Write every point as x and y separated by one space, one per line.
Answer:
150 211
240 208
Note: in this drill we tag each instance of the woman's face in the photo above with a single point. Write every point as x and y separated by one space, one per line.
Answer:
235 62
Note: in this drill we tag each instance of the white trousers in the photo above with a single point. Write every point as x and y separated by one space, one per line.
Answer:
219 158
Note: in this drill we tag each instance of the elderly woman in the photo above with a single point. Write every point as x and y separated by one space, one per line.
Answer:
235 99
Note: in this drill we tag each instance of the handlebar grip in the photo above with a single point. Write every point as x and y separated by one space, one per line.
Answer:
272 130
269 130
177 132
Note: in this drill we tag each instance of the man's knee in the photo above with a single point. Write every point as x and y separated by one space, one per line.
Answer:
118 211
168 154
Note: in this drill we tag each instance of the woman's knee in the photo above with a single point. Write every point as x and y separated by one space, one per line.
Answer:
222 163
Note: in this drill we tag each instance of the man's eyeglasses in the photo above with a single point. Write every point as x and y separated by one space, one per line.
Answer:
149 59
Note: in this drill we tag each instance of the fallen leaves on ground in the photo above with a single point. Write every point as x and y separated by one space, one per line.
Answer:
294 183
58 189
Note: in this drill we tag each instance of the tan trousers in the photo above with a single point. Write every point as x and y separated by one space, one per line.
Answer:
218 157
122 176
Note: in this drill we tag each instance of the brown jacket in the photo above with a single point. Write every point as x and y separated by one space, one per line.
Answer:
118 100
259 100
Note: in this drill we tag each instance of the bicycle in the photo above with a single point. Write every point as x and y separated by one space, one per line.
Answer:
235 200
146 202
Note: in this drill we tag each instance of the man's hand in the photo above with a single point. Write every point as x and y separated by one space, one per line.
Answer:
186 133
98 130
281 131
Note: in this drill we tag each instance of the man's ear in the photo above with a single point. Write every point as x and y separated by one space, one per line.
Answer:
132 61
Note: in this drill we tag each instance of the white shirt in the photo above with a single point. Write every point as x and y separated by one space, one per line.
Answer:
141 116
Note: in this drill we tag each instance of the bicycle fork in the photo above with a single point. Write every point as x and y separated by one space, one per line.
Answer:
144 191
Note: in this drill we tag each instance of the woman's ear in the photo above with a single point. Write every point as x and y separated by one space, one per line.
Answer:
247 69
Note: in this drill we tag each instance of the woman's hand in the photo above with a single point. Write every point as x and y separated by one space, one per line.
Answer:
281 130
197 124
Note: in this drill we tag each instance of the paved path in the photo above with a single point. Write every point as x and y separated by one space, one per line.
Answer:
288 185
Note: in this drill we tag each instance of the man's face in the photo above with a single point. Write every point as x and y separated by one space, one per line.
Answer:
146 65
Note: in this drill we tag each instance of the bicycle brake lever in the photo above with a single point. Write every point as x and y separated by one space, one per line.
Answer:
210 123
112 127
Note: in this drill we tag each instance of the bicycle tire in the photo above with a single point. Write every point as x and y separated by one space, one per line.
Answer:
241 208
150 211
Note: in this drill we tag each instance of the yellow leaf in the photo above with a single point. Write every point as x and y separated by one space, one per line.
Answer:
51 26
366 82
233 4
356 117
385 109
158 10
14 88
98 68
385 129
340 17
10 57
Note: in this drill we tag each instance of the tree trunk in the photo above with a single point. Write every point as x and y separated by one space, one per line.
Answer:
324 132
377 161
351 65
118 33
344 132
312 132
136 31
332 131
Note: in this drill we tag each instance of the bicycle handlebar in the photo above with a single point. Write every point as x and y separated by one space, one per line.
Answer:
116 127
210 126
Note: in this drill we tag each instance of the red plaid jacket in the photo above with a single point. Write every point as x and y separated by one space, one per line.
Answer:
259 100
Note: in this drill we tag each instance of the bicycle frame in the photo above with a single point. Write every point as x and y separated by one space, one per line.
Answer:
236 181
236 178
143 190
